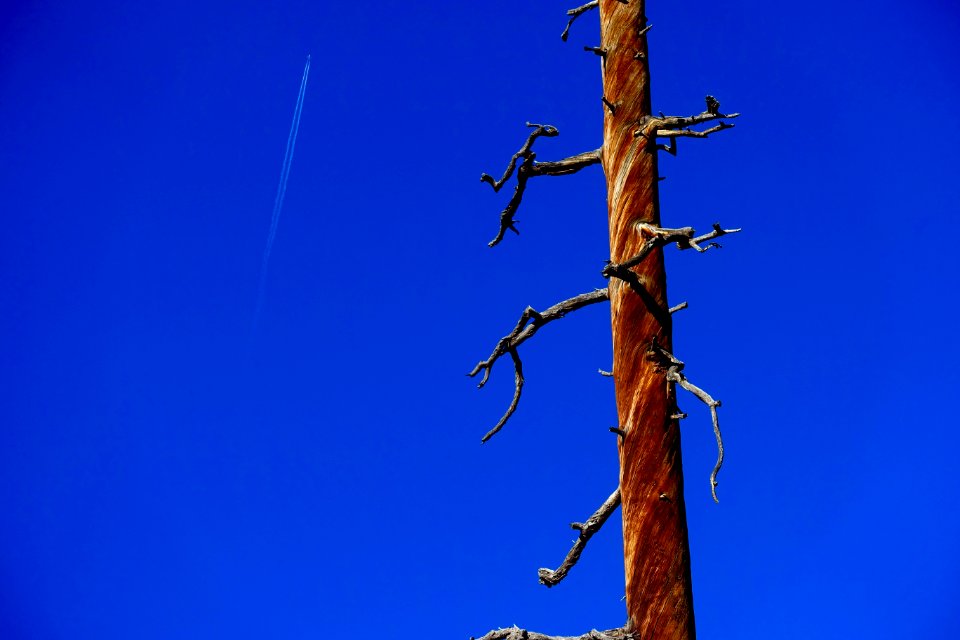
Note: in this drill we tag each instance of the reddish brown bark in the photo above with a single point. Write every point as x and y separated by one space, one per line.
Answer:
656 552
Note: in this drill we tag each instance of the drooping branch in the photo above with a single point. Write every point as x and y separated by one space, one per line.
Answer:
518 388
682 122
506 216
674 373
529 323
516 633
530 168
587 529
577 12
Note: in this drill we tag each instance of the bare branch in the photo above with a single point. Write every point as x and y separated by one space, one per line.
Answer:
682 122
660 237
606 374
674 373
674 126
529 323
506 216
690 133
529 168
576 13
516 633
518 387
586 529
567 165
716 233
682 305
545 130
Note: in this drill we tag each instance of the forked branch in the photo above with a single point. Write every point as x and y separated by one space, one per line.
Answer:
530 168
516 633
660 237
529 323
674 373
679 126
587 529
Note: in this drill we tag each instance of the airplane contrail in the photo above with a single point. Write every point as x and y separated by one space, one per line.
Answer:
281 192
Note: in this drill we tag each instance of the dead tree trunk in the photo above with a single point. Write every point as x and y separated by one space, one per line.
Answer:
656 554
659 595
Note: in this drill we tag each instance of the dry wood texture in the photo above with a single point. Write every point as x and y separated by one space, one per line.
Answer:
656 553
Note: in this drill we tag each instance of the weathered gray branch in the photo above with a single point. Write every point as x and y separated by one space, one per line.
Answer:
690 133
710 235
587 529
516 633
567 165
577 12
674 373
682 122
544 130
660 237
529 323
678 126
530 168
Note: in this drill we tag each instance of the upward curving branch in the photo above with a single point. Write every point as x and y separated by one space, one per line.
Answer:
530 168
549 577
529 323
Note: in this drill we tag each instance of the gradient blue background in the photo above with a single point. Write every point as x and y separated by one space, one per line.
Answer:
165 475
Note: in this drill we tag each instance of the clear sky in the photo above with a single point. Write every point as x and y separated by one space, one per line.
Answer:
166 473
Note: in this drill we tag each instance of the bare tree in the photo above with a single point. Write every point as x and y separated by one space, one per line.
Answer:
646 373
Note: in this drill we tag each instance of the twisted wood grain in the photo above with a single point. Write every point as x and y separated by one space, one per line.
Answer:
656 553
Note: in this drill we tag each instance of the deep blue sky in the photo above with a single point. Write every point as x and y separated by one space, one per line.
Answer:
163 474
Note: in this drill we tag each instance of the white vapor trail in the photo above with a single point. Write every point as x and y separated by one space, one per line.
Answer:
281 192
